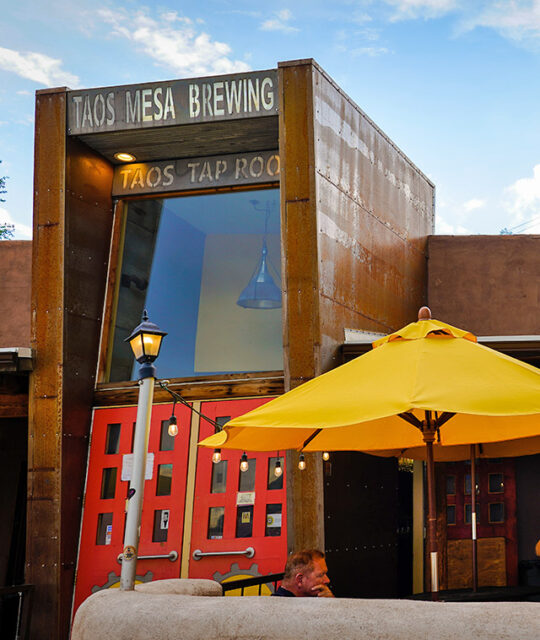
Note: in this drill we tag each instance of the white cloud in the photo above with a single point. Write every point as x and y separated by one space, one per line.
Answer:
21 231
514 19
474 203
37 67
410 9
173 42
372 52
280 22
442 227
523 203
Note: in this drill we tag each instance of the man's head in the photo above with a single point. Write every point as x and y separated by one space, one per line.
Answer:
306 574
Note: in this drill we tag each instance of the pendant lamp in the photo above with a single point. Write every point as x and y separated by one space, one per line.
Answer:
261 291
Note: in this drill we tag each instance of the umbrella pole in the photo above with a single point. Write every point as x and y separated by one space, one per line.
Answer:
473 519
429 437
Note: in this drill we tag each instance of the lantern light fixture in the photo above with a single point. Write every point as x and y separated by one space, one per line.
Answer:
145 342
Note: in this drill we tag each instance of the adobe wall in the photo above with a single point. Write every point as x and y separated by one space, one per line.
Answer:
15 291
489 285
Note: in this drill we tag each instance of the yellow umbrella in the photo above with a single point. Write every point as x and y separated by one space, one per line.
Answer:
427 387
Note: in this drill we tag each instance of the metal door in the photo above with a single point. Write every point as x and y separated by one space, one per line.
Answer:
239 518
107 483
496 523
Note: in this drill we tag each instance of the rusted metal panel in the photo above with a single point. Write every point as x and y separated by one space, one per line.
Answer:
217 387
72 219
374 213
44 454
176 102
305 515
166 176
487 284
88 224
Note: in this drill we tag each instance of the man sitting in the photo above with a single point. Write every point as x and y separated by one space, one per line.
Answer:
305 576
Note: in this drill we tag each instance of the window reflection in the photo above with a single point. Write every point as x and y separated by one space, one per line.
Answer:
189 258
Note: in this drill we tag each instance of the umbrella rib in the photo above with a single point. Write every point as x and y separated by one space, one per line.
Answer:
313 435
411 419
444 417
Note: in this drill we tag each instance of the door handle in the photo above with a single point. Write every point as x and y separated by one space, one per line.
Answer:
172 556
198 554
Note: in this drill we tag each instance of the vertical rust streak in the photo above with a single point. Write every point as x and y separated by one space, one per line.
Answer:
301 328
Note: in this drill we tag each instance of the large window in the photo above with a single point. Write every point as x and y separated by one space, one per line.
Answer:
195 264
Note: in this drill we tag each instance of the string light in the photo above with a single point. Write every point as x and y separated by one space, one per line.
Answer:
173 426
216 456
244 464
277 469
325 455
302 462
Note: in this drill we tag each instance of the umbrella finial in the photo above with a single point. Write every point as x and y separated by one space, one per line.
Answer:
424 313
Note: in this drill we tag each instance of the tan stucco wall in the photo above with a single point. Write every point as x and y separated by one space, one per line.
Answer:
15 288
489 285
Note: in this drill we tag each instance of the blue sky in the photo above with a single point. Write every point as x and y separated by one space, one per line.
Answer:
455 83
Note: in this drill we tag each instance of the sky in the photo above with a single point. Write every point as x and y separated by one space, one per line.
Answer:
454 83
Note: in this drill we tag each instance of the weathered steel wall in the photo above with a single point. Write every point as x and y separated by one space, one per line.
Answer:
15 287
487 284
356 214
305 514
72 220
374 213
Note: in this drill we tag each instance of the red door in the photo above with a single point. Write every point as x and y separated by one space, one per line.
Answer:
107 483
238 515
496 522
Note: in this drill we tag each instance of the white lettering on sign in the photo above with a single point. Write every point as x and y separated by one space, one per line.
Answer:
94 112
149 105
194 173
172 103
229 97
154 177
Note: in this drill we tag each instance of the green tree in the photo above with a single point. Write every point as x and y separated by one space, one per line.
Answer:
6 230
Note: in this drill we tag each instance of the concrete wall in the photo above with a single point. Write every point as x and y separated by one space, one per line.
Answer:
489 285
15 291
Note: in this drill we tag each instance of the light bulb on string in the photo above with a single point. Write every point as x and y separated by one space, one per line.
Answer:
302 462
216 456
278 469
173 426
325 455
244 464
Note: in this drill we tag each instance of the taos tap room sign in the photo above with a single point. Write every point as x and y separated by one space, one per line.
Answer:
175 102
196 173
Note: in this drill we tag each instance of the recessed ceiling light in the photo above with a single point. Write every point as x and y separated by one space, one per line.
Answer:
124 157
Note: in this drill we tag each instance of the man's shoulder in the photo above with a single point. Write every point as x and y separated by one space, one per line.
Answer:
281 591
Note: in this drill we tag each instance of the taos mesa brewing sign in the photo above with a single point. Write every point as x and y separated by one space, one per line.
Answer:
196 173
176 102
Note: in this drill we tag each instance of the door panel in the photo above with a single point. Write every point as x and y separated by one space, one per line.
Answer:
162 519
496 523
249 513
